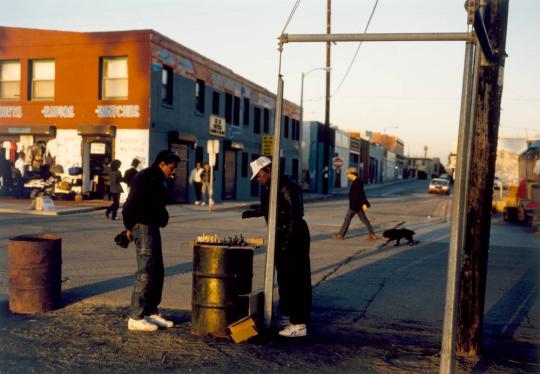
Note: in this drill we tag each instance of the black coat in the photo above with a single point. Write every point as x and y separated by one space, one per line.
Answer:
146 200
357 196
129 175
290 210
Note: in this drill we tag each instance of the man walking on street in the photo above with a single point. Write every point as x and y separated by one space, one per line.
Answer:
144 213
195 178
205 180
358 204
291 250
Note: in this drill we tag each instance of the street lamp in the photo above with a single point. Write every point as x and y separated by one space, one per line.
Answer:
302 121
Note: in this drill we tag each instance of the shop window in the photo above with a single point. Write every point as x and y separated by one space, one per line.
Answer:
10 80
236 112
114 78
257 120
42 84
286 127
167 79
215 103
245 161
199 96
246 112
228 108
266 121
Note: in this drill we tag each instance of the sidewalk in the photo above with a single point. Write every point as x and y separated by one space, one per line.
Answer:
63 207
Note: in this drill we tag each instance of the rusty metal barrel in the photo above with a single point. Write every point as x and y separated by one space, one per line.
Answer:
220 274
35 271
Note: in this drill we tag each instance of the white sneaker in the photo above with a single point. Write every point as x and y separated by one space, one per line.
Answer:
196 202
283 321
294 331
141 325
203 203
158 320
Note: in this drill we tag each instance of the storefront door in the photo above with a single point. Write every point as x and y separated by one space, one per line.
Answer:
180 185
229 174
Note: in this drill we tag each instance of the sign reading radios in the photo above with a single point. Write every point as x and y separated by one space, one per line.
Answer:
216 126
58 111
267 145
117 111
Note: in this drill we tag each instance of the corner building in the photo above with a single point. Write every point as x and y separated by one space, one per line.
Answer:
89 98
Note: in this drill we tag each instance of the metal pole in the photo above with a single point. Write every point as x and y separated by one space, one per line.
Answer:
326 132
272 214
300 135
389 37
211 191
448 347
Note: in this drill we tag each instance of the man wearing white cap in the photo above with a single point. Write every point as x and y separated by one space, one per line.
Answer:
292 248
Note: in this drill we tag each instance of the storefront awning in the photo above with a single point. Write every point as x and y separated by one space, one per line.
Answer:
29 130
176 137
99 130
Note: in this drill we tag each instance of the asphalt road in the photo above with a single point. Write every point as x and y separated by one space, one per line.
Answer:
360 288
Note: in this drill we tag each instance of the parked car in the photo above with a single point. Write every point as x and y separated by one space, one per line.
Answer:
439 185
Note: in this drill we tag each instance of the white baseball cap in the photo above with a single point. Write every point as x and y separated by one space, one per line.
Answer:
259 164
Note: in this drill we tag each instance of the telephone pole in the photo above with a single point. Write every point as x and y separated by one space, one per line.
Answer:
484 148
326 132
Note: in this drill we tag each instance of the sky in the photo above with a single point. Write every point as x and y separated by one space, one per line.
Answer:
408 89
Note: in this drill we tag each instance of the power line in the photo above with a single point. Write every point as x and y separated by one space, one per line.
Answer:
357 49
291 15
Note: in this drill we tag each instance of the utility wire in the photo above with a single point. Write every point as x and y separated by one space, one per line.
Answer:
357 49
292 14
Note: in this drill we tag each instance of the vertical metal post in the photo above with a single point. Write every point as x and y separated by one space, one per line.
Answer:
301 135
448 347
272 214
326 132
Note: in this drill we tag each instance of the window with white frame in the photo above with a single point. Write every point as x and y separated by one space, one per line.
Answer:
43 73
10 80
167 85
114 78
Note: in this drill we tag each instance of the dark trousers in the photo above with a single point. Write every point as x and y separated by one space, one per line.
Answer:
197 186
150 272
294 276
347 221
113 208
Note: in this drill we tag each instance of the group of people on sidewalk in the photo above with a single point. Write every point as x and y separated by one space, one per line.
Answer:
200 178
144 213
115 184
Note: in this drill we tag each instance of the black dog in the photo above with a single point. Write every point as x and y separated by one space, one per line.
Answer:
398 234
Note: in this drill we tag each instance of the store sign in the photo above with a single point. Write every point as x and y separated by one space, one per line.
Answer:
267 145
117 111
58 111
216 126
337 162
19 130
10 112
97 148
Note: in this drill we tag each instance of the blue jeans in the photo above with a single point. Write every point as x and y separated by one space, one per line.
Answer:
347 221
150 271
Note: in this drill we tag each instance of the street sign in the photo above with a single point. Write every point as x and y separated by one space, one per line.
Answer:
212 146
216 126
267 145
337 162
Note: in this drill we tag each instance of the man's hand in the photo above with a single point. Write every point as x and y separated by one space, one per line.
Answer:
365 208
249 214
129 235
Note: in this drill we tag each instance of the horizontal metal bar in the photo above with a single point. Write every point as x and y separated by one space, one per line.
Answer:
396 37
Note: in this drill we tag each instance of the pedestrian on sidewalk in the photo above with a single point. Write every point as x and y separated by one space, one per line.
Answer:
115 189
195 179
144 213
358 205
291 250
205 179
131 172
